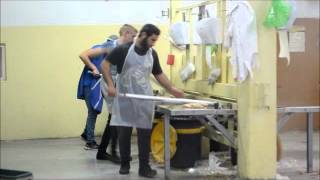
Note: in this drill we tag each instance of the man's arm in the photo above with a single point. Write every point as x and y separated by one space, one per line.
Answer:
164 81
105 68
91 53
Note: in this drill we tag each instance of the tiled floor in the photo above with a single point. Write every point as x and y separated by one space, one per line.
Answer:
67 159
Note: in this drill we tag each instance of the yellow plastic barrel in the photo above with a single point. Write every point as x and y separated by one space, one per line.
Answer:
157 142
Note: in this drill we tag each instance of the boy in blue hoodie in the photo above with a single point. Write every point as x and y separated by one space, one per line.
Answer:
90 91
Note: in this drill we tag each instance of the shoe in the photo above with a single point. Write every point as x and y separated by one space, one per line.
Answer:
116 157
147 172
106 156
124 168
92 145
114 154
84 137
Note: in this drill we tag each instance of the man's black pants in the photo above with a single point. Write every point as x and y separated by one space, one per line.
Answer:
143 145
110 132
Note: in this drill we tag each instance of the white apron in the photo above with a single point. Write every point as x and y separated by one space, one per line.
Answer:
135 79
104 85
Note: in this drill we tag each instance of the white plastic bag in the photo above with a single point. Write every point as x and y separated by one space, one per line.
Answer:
187 71
179 33
104 91
209 30
214 75
214 71
214 161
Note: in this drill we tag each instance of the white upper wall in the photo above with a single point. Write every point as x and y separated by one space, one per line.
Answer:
73 12
305 8
308 9
79 12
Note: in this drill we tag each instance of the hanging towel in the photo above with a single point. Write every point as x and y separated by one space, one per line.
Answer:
241 38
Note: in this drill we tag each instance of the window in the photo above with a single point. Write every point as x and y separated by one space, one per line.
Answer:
2 61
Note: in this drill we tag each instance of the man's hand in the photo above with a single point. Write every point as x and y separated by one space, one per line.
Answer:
112 91
176 92
87 55
95 72
164 81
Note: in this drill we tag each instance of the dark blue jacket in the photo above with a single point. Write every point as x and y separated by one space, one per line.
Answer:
88 80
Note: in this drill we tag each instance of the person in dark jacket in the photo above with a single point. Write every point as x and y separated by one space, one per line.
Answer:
90 91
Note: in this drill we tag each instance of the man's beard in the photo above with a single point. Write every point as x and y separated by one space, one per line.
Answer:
144 44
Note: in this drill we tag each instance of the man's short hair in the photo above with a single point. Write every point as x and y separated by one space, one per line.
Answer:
127 28
150 29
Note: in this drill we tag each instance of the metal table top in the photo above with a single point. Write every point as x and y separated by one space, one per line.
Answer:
179 110
298 109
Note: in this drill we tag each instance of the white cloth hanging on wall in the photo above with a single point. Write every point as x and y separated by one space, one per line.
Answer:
284 45
241 38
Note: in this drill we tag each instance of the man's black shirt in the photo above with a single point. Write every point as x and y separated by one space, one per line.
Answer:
118 56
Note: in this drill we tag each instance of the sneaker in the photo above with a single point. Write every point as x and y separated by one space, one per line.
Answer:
91 145
147 172
124 168
84 137
106 156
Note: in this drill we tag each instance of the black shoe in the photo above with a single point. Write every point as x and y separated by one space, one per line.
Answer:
91 145
124 168
147 172
106 156
115 156
84 137
114 153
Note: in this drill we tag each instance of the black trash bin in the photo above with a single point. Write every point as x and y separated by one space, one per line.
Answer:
189 132
7 174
